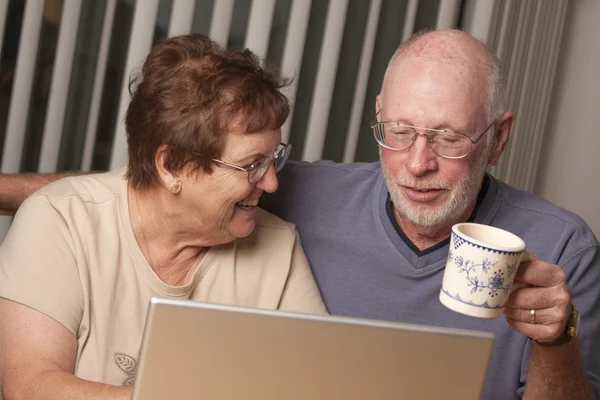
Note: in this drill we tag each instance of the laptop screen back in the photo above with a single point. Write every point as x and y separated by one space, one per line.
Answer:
200 351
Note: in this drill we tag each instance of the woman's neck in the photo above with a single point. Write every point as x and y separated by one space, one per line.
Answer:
171 250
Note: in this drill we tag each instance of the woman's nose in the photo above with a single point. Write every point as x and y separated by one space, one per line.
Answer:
268 182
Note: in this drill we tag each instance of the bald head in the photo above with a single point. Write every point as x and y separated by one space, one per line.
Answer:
455 56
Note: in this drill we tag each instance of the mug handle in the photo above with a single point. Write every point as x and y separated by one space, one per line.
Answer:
524 258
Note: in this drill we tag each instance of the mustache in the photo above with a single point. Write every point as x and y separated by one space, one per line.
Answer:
423 184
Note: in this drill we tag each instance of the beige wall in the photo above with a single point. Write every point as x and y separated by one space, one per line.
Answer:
569 170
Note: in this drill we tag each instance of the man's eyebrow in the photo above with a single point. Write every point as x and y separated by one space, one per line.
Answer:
439 126
448 127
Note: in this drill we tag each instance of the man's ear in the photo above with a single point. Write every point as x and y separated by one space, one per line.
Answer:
378 103
503 130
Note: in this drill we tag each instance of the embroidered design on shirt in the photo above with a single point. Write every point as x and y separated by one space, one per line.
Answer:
128 365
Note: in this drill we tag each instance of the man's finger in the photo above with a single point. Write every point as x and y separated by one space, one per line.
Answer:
540 273
544 316
542 333
536 298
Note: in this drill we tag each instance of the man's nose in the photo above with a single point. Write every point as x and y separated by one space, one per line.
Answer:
421 158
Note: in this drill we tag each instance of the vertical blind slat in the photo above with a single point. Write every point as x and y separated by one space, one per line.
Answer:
409 19
478 17
324 84
529 85
23 82
21 94
292 55
520 58
59 88
551 67
509 38
4 220
362 82
448 14
94 112
532 85
3 13
259 26
220 22
142 32
182 17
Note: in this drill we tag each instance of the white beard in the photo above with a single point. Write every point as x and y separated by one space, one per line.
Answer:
462 194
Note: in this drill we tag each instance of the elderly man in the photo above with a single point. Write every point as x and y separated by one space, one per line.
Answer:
377 235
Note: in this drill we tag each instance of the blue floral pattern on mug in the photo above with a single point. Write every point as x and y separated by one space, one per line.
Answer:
482 276
459 241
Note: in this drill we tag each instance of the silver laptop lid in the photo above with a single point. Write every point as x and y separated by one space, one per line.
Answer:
194 350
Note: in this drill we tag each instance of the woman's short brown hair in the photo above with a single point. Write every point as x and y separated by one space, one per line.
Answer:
189 94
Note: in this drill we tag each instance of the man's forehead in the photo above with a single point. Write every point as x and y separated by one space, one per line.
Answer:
427 104
432 80
442 69
448 54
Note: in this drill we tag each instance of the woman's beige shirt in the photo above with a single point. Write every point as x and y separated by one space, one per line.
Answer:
71 254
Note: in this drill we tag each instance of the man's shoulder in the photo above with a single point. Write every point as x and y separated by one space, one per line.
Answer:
327 176
308 190
307 186
326 169
534 214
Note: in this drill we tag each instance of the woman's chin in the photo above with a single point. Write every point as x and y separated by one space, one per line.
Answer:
242 224
242 232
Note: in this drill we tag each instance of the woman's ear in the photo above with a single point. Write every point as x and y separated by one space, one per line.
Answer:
168 179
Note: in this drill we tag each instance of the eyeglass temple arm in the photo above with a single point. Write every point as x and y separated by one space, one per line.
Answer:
230 165
483 133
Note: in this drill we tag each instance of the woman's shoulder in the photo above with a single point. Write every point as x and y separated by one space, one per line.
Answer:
267 220
271 244
89 188
270 232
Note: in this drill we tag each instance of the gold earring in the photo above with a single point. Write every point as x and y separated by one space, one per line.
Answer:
175 186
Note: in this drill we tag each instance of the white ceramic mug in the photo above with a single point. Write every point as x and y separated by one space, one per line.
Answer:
480 269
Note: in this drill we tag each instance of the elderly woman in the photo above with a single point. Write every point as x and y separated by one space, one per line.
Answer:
85 254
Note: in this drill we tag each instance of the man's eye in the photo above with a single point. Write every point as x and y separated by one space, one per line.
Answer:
449 140
399 131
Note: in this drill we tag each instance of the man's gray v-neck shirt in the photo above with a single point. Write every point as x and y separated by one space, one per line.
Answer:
366 267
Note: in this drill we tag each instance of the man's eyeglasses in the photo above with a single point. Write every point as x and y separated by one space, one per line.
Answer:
445 143
259 168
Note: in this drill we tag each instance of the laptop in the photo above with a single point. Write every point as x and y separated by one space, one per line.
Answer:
194 350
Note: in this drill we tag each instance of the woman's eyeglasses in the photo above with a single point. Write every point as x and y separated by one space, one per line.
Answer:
259 168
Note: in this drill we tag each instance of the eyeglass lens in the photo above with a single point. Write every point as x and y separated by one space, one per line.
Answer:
446 144
263 165
281 158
